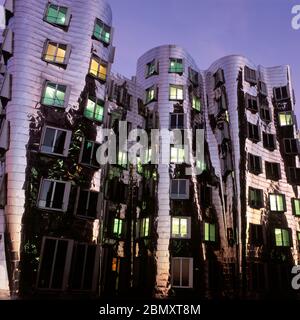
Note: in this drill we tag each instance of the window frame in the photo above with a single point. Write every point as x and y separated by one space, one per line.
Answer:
178 150
100 37
58 45
178 88
288 144
154 64
272 165
59 7
196 103
283 245
177 61
286 113
256 203
92 153
282 97
251 132
266 141
277 195
263 112
252 162
66 94
252 99
293 201
121 225
207 238
256 234
87 205
147 91
177 115
219 78
188 224
191 270
250 75
262 88
101 63
178 196
193 76
294 175
141 226
96 101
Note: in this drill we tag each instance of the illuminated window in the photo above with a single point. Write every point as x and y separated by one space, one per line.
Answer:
143 228
209 232
115 267
151 94
87 203
277 202
176 92
56 52
201 165
282 238
98 68
177 155
55 95
179 189
296 207
176 65
286 119
117 227
182 272
57 15
122 159
89 153
196 103
94 109
151 68
181 227
102 32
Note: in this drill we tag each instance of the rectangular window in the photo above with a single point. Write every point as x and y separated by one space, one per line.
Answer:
277 202
251 102
177 121
94 109
57 15
254 164
55 95
181 227
206 196
269 141
262 87
265 114
196 103
294 175
282 237
54 195
298 239
256 198
102 32
193 77
286 119
118 227
291 146
176 65
87 203
256 234
179 189
182 272
56 53
151 94
89 153
209 232
98 68
281 93
176 92
55 141
219 78
296 207
142 228
177 155
250 75
273 171
253 132
152 68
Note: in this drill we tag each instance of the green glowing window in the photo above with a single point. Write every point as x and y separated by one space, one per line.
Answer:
196 103
122 159
55 95
118 227
151 94
151 68
176 65
176 92
277 202
282 238
209 232
286 119
143 228
94 109
102 32
201 165
296 207
181 227
177 155
57 15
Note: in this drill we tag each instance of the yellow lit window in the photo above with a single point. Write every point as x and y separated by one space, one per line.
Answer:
55 52
98 69
181 227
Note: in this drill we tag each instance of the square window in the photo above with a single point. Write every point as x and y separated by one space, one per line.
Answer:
282 237
179 189
253 132
182 272
209 232
55 95
281 93
286 119
277 202
57 15
177 121
176 92
269 141
152 68
89 153
250 75
177 155
151 94
291 146
102 32
94 109
296 207
56 53
98 68
273 170
87 203
181 227
251 103
254 164
255 198
176 65
196 103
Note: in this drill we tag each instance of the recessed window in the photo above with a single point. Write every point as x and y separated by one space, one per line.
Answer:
176 65
273 171
253 132
151 94
254 164
176 92
57 15
181 227
177 155
98 68
177 121
251 102
262 87
193 77
256 234
291 146
209 232
94 109
55 141
265 114
294 175
54 195
56 53
269 141
219 78
182 272
296 207
250 75
87 203
282 237
55 95
102 32
142 226
179 189
286 119
118 227
277 202
152 68
89 153
281 93
256 198
196 103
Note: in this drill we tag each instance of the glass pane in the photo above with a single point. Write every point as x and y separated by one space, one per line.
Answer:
99 112
116 226
206 231
174 155
82 203
89 109
173 92
175 226
212 232
146 227
98 30
180 121
94 67
183 227
273 203
48 140
50 53
102 72
61 18
286 238
60 96
185 273
58 199
297 207
46 263
279 203
46 194
59 145
176 272
278 237
52 13
59 267
60 56
179 93
182 187
50 94
174 187
87 152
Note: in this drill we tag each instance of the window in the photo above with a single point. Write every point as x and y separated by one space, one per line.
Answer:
269 141
176 92
177 121
281 93
256 234
262 87
255 198
55 95
57 53
87 203
142 228
54 195
265 114
102 32
209 232
296 207
193 76
196 103
291 146
219 78
294 175
151 94
182 272
282 237
251 102
152 68
177 155
254 164
250 75
179 189
273 171
253 132
277 202
118 227
57 15
206 196
55 141
298 238
176 65
181 227
89 153
94 109
122 159
286 119
98 68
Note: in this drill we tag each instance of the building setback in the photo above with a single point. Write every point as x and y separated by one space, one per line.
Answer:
71 225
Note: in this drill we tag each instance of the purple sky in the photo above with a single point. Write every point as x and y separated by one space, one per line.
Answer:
208 29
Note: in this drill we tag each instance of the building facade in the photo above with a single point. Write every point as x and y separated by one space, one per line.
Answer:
224 225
